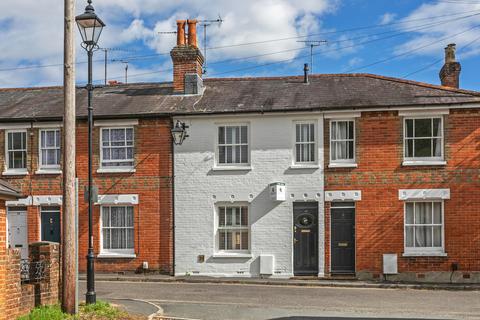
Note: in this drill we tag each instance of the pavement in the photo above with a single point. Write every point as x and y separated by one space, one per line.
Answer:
220 301
306 282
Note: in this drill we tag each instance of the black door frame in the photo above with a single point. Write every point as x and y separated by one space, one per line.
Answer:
299 204
354 207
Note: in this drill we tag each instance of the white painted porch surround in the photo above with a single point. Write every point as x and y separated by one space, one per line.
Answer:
200 186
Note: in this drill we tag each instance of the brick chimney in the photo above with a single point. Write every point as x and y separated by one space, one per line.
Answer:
450 73
187 60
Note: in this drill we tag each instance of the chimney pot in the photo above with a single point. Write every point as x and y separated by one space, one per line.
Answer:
305 73
450 72
181 41
192 32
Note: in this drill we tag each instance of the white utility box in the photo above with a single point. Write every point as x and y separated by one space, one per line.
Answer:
390 265
278 191
266 264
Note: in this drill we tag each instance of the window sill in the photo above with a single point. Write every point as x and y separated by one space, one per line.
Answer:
232 168
116 170
110 255
407 163
304 166
343 165
424 254
15 173
48 171
232 255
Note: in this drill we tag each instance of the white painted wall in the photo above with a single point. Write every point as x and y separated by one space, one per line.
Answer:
198 188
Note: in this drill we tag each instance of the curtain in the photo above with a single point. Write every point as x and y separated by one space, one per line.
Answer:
423 215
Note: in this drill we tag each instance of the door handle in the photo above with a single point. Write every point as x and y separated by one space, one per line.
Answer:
295 241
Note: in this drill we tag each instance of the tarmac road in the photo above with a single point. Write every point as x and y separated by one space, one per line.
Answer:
227 301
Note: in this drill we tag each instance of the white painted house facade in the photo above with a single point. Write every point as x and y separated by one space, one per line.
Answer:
249 196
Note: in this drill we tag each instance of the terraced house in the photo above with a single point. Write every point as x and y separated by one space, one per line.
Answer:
350 174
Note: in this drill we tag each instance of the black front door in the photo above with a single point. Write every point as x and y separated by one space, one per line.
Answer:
51 224
305 238
343 237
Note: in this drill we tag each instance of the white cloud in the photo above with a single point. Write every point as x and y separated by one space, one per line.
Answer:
387 18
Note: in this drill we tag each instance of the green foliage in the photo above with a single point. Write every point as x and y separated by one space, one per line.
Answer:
46 313
101 310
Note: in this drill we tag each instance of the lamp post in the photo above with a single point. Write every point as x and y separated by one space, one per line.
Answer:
90 27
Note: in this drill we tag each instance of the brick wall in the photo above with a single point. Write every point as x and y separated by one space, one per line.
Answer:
151 181
380 174
186 59
3 260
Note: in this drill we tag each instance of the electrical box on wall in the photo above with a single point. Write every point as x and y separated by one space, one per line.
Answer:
278 191
390 264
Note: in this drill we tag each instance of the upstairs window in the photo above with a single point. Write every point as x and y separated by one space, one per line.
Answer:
305 143
117 147
423 138
16 150
233 229
233 145
50 148
342 141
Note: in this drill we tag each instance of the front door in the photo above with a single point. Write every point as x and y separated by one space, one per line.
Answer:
343 237
50 224
305 238
17 230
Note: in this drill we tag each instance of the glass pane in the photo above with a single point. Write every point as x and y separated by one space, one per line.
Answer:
342 132
237 238
221 240
244 216
229 135
437 236
229 155
350 130
229 241
437 127
129 134
245 241
129 153
105 135
244 150
18 140
221 216
312 133
437 147
44 156
51 157
236 154
106 153
298 153
334 131
238 214
229 217
423 148
409 236
118 153
42 138
350 150
58 139
236 135
409 213
129 219
119 237
58 157
130 239
409 148
50 139
105 217
423 236
312 153
244 134
409 128
221 154
341 150
221 135
106 238
437 213
117 135
423 128
423 213
297 132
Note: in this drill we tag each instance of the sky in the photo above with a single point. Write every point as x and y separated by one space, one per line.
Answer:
397 38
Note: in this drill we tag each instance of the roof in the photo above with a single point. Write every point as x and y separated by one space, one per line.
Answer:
8 192
235 95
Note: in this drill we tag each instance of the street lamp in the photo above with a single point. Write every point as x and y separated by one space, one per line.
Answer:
90 27
179 132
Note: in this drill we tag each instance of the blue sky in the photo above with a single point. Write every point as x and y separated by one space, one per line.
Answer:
398 38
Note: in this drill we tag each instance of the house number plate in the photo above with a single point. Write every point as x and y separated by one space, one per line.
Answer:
305 231
343 244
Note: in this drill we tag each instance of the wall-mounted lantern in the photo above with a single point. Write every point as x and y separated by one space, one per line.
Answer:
179 132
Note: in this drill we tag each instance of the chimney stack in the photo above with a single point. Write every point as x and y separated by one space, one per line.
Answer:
187 60
450 72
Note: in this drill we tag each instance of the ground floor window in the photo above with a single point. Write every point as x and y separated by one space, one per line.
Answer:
117 229
233 228
424 226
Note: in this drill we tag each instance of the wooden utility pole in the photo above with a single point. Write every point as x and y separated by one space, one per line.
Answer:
68 235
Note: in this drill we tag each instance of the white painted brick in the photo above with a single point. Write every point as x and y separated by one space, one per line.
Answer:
271 144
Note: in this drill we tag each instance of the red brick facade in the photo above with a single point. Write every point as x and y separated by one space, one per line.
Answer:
151 181
380 214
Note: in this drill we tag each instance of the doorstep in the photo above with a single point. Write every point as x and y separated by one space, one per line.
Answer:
310 282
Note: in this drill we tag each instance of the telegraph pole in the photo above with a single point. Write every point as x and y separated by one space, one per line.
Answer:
68 232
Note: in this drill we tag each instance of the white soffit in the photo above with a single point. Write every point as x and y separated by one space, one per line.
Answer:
47 200
423 112
14 126
423 194
342 115
116 123
345 195
20 202
47 125
115 199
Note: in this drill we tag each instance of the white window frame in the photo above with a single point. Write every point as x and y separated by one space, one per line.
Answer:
7 155
315 144
40 157
105 253
217 229
423 251
217 146
342 162
423 160
116 168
